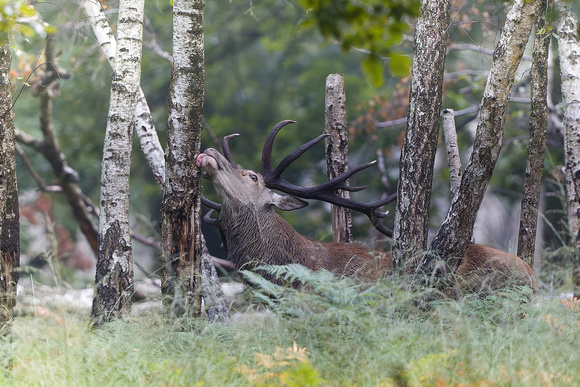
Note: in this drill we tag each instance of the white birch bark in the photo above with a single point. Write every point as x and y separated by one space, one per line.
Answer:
569 52
453 158
456 231
114 276
181 209
144 124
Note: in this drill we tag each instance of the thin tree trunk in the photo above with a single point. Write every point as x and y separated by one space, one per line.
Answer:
537 142
453 158
420 143
335 125
569 52
114 274
144 125
9 216
456 231
181 208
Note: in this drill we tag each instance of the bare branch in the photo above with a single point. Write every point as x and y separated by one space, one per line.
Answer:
473 47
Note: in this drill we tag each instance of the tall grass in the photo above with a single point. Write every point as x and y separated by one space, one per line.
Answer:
330 333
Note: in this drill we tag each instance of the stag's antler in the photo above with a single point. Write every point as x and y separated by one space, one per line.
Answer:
325 191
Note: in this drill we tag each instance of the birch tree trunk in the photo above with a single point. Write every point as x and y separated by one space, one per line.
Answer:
537 142
114 274
9 216
420 143
456 231
181 208
453 159
144 124
335 125
569 52
153 152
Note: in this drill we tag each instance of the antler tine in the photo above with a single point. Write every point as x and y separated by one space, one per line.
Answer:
207 218
267 150
297 153
226 148
338 181
210 204
325 191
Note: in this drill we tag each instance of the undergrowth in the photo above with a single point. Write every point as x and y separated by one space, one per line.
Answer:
330 332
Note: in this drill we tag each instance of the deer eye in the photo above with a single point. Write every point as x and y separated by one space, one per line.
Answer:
254 177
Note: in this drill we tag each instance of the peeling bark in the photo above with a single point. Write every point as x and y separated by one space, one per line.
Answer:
537 141
181 207
420 143
9 216
569 52
456 231
114 275
335 125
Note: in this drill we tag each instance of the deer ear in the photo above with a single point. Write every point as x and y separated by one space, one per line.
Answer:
287 203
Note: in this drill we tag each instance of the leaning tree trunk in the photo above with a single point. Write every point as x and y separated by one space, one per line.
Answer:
537 142
420 143
456 231
114 274
181 209
9 216
144 125
569 52
335 125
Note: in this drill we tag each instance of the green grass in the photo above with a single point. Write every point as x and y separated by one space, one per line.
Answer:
333 335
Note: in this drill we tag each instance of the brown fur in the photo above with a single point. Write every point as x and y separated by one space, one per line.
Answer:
256 234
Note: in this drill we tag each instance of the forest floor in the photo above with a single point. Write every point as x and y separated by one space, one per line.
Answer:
333 335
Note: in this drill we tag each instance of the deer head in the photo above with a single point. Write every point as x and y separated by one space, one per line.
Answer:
255 233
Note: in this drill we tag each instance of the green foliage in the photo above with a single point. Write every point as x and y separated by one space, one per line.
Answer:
374 26
20 18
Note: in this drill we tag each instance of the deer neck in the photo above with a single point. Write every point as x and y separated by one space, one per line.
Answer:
261 237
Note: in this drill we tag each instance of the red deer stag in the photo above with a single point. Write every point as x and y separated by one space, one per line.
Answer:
254 233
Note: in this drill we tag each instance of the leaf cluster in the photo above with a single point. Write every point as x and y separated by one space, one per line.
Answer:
21 18
374 26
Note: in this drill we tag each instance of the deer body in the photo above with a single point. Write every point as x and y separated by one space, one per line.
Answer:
255 233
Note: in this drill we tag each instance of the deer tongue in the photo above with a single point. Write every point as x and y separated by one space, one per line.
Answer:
199 159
